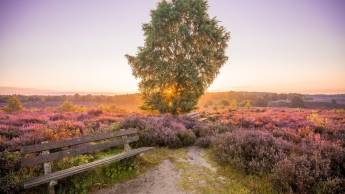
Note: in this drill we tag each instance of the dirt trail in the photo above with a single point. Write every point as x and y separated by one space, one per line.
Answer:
163 178
194 156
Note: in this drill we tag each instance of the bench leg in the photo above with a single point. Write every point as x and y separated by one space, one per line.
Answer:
51 189
47 170
126 146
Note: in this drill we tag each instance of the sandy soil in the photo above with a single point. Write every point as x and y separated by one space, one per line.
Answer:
194 157
161 179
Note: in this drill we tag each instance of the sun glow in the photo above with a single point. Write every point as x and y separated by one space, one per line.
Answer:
169 92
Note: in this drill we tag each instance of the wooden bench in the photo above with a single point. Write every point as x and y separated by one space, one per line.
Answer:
47 152
196 115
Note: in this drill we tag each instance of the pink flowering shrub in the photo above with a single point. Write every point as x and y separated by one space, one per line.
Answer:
165 130
320 168
252 150
205 142
133 121
304 148
300 174
95 112
29 127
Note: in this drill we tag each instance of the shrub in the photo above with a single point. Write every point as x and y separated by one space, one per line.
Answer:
133 122
319 169
9 162
212 129
336 156
286 134
332 186
95 112
254 151
201 130
57 116
165 130
111 108
204 142
13 105
67 107
187 137
300 174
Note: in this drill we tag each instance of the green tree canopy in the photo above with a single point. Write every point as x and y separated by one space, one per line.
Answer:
13 105
183 52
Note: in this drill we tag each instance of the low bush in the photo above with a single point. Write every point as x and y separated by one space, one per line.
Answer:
68 106
252 150
165 130
336 155
9 163
57 116
286 134
300 174
95 112
133 122
332 186
13 105
321 169
205 142
168 131
211 129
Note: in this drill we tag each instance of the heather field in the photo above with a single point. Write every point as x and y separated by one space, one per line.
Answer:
293 124
287 150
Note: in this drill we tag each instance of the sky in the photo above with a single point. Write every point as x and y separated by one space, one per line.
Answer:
275 46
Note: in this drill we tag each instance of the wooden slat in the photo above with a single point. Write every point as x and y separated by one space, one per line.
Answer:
78 169
75 141
202 119
193 114
91 148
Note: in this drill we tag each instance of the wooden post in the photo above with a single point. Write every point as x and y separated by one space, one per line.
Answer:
126 146
47 170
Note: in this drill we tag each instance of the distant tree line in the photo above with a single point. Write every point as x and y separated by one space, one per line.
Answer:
220 99
73 98
265 99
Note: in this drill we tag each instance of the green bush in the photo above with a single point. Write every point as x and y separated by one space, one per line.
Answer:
13 105
68 106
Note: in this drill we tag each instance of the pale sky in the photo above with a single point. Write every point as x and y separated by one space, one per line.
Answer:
79 45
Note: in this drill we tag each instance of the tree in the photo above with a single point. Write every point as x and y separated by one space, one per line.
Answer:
13 105
224 103
233 104
297 101
183 52
334 101
247 104
67 106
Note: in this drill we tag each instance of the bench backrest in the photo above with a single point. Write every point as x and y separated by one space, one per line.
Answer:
76 146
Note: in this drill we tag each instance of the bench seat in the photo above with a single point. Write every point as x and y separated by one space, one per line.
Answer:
81 168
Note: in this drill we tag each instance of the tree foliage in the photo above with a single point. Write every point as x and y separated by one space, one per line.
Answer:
297 101
13 105
183 52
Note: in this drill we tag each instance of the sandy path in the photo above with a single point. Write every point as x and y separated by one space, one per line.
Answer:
195 157
161 179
